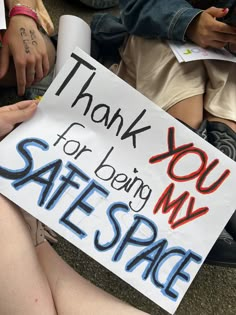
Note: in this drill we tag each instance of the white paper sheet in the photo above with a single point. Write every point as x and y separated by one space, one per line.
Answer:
72 32
2 16
185 52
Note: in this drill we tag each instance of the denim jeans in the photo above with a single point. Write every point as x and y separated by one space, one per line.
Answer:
100 4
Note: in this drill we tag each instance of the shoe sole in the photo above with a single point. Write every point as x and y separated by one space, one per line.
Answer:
220 263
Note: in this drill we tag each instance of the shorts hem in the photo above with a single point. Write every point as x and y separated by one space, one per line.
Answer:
182 98
224 115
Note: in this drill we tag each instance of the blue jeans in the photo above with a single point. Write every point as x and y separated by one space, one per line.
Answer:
100 4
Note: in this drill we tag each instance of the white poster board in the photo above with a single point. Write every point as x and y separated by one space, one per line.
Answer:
120 179
2 16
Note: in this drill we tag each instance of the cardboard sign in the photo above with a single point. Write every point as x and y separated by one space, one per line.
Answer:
120 179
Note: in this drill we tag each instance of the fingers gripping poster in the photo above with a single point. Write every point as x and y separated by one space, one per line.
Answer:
120 179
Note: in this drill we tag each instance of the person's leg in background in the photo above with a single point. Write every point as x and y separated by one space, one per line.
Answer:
157 79
177 89
100 4
220 112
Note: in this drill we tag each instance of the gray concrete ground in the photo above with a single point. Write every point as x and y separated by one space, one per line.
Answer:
213 292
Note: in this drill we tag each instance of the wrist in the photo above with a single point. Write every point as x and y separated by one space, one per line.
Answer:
192 27
23 21
23 10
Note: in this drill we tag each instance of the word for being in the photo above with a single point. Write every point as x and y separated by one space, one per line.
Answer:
155 255
121 181
175 206
105 171
101 113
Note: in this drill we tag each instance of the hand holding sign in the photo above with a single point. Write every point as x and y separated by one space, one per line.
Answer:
14 114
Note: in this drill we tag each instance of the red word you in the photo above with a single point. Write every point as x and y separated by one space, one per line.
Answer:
166 203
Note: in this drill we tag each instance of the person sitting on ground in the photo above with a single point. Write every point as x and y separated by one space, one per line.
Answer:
27 53
201 94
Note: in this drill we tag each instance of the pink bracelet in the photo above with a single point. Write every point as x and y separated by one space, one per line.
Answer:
23 10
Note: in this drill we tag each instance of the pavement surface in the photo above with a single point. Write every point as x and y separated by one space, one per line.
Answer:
213 292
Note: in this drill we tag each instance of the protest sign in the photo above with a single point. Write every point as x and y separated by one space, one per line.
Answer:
120 179
2 16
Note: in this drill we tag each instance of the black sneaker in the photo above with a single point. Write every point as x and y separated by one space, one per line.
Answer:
223 253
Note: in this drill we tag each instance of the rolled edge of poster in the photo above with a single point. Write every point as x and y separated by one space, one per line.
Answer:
72 32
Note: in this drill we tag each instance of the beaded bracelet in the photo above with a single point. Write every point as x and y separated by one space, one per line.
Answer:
21 9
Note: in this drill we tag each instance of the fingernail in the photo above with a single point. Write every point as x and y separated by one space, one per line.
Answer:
32 105
224 10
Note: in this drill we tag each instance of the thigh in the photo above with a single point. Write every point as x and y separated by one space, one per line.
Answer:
153 70
220 97
24 288
75 295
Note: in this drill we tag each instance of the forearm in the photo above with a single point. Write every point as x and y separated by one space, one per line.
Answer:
157 18
29 3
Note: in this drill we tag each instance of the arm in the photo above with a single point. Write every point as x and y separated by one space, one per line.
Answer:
30 3
167 19
26 45
177 20
206 31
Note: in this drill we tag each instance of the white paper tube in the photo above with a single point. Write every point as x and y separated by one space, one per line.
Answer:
72 32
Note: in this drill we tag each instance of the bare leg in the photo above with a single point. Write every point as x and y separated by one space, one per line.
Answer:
44 284
24 289
75 295
229 123
189 110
